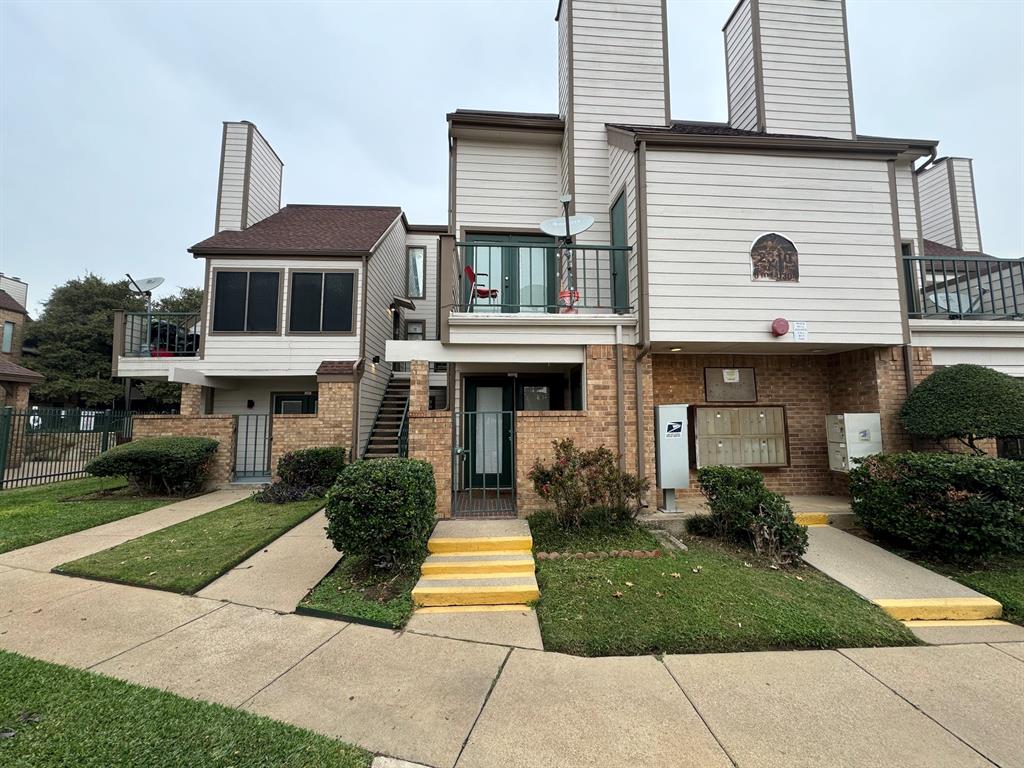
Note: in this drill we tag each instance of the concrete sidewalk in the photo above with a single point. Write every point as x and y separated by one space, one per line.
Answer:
49 554
452 703
279 575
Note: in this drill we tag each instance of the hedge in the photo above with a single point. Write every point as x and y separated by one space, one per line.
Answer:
176 466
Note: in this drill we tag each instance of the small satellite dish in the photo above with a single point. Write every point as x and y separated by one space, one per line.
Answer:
556 227
145 284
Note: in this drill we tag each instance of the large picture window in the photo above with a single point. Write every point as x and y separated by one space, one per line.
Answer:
416 264
246 302
322 302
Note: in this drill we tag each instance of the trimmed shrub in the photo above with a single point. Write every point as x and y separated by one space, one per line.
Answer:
951 506
384 510
966 403
304 474
578 482
743 510
175 466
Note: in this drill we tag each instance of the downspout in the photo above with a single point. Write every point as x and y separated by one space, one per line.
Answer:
644 345
620 402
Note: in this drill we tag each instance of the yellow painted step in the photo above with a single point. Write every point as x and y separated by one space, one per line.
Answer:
477 567
474 595
926 624
480 544
941 608
812 518
471 608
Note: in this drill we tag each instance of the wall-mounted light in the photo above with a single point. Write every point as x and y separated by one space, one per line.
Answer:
376 359
676 349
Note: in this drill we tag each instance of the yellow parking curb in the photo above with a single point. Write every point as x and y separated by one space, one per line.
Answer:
941 608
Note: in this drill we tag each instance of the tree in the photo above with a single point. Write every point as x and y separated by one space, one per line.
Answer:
965 403
73 337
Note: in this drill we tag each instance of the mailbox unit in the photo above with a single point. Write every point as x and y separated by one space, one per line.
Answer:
851 436
753 436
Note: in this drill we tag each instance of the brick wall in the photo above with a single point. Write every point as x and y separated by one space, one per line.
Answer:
330 426
220 428
191 400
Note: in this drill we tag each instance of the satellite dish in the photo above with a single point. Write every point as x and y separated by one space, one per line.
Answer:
556 227
145 284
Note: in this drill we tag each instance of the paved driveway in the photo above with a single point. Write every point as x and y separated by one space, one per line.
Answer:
445 703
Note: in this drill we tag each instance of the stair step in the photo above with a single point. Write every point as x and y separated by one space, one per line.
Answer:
480 544
501 590
436 566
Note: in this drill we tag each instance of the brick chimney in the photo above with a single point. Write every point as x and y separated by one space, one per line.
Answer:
949 207
787 66
249 186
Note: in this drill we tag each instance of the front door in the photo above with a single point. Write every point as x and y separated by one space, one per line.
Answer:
488 423
521 267
619 254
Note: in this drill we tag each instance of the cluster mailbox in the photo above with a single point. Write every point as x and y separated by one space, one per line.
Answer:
852 436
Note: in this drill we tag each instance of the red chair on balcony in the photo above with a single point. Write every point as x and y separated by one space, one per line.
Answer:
476 289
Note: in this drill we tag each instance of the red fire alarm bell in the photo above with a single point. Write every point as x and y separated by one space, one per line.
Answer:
780 326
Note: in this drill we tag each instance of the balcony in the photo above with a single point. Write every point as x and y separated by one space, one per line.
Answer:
157 334
975 288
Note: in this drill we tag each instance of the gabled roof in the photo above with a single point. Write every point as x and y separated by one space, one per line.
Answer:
319 230
491 119
936 250
13 372
9 303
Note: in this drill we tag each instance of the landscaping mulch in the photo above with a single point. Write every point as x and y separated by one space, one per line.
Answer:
57 716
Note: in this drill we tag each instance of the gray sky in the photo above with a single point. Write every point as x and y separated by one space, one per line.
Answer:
111 112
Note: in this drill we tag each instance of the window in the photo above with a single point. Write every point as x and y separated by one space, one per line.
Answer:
415 330
322 302
774 258
295 403
246 301
416 264
8 343
619 256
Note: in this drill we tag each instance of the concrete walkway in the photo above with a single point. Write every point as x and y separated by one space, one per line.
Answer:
279 576
444 703
49 554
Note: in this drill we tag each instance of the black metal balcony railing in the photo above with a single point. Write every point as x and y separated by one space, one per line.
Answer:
161 334
513 277
964 289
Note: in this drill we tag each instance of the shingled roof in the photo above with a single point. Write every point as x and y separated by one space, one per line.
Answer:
322 230
10 304
13 372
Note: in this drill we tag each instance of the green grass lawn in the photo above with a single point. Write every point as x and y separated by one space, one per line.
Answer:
713 598
1001 578
188 556
592 536
31 515
351 591
65 717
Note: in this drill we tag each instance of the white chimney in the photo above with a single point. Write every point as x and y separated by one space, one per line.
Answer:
787 66
949 206
249 187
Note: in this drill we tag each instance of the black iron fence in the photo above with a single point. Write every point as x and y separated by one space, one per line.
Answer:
161 334
43 445
965 289
484 464
252 447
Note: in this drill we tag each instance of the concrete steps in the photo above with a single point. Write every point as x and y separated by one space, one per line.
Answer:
482 563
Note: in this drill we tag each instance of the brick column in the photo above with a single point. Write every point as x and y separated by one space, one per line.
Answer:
191 400
430 434
419 386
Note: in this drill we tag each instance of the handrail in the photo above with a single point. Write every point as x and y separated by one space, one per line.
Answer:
159 334
403 430
975 288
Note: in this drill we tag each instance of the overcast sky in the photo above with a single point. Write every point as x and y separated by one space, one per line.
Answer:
111 112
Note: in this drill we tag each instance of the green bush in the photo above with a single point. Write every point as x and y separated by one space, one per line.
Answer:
949 506
176 466
743 510
578 482
966 403
304 474
383 509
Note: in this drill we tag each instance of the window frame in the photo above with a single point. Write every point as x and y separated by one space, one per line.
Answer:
213 301
7 347
415 321
423 276
323 283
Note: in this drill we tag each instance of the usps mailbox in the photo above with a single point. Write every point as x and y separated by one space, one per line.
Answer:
673 450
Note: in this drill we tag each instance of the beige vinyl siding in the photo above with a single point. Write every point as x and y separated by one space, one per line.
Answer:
622 176
506 185
562 331
244 354
264 180
963 180
739 62
385 275
232 177
906 205
936 205
564 98
618 77
706 209
805 73
426 308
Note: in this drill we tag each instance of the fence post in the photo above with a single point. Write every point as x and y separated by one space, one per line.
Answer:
6 417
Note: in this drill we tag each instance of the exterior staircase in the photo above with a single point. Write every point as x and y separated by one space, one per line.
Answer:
386 439
478 565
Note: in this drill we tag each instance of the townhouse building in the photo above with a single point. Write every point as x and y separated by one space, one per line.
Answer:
766 273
